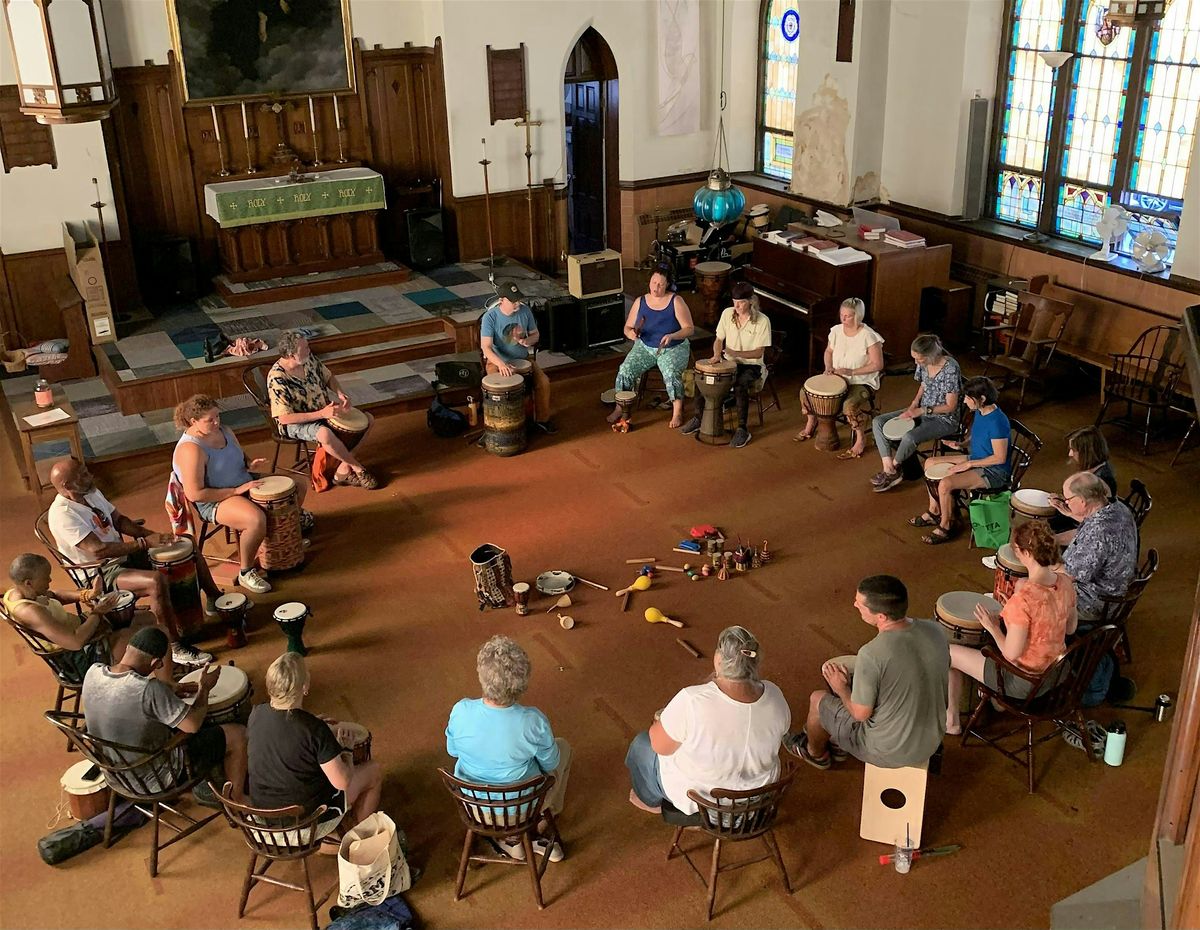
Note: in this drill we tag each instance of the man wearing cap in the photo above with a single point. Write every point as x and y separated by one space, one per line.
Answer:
125 704
506 334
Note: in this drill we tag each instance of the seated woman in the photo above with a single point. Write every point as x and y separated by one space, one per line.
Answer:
84 643
985 467
1088 450
659 323
725 733
500 742
936 404
215 474
294 757
854 351
1037 620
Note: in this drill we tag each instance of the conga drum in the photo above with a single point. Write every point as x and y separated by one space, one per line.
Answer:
824 394
935 470
86 797
1029 504
714 381
283 547
1009 571
955 611
177 563
712 280
349 426
229 699
232 609
504 430
291 618
355 739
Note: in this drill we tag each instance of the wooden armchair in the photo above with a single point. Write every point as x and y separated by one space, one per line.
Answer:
1023 445
1145 377
1060 704
83 574
254 379
1116 610
1033 335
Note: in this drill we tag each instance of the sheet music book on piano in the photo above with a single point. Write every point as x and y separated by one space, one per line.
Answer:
843 256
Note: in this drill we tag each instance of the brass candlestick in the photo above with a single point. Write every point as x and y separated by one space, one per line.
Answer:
282 154
250 169
312 121
224 172
337 124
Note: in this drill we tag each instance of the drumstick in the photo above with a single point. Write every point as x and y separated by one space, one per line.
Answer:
625 600
668 568
687 551
640 561
592 583
689 647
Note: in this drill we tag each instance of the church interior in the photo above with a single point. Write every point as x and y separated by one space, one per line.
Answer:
200 198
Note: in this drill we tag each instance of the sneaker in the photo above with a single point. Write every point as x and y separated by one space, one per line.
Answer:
183 654
307 521
204 795
741 438
253 580
210 605
837 753
889 482
511 848
546 426
541 847
691 426
797 745
989 561
1096 733
878 477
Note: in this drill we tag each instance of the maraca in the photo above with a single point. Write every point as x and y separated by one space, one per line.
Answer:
640 583
654 615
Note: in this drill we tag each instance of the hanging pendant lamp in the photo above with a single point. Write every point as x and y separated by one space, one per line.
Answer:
718 202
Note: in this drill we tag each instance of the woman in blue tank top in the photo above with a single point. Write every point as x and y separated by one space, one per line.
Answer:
659 324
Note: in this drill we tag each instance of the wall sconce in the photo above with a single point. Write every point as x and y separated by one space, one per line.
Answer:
60 51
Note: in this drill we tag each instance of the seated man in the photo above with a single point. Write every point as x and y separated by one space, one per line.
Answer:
506 334
304 394
87 528
84 643
888 704
743 334
124 704
1102 558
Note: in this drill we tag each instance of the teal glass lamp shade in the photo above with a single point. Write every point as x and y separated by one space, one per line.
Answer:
718 202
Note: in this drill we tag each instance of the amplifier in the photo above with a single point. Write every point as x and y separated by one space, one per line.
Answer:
605 320
561 324
594 274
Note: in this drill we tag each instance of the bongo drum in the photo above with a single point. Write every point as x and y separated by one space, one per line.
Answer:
955 611
177 563
232 609
86 797
712 278
350 426
935 471
356 739
122 615
1029 504
1009 571
504 431
291 618
823 395
714 381
283 547
229 699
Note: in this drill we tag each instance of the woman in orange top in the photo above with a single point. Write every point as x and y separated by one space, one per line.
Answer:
1037 620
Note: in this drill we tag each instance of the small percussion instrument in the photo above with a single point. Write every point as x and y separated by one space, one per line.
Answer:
86 797
177 563
714 381
122 615
283 546
356 739
677 232
895 428
609 397
555 582
232 609
955 611
712 280
350 426
229 699
625 401
291 618
1009 571
935 471
504 431
1029 504
824 395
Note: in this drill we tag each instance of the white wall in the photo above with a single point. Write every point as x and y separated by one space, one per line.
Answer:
1187 248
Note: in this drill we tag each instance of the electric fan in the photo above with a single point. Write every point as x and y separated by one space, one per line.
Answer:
1150 250
1111 226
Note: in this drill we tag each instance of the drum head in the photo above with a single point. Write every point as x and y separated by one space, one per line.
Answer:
609 397
556 582
74 782
714 268
626 396
176 552
502 383
522 366
353 734
273 487
1031 500
759 209
826 385
125 600
1006 557
232 685
230 601
896 427
936 471
721 367
351 420
292 610
959 607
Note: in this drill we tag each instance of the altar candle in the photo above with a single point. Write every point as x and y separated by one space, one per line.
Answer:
245 128
312 116
216 125
337 116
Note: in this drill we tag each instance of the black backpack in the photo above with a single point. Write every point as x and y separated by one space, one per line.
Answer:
445 421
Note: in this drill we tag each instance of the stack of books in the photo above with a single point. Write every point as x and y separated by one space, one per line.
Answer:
870 231
904 240
802 244
1003 304
817 246
843 256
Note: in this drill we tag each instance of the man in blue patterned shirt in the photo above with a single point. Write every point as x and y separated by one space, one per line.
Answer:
1102 558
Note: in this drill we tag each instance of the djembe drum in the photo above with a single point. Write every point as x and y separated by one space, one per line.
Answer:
355 739
935 470
122 614
232 609
1029 504
504 431
283 547
711 281
714 381
823 394
1009 570
350 426
229 699
177 563
291 618
524 368
955 611
894 430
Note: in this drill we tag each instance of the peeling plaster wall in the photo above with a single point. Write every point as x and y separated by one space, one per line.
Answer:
820 168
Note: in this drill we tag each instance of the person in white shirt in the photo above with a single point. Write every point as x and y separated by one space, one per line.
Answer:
854 351
725 733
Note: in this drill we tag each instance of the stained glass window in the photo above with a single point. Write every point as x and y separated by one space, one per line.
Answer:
777 90
1121 136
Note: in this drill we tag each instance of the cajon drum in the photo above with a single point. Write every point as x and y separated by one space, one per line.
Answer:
893 804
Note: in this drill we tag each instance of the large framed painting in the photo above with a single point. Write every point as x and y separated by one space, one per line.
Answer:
233 49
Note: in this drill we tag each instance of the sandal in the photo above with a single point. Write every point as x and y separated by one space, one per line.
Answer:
849 454
802 436
925 519
937 537
364 479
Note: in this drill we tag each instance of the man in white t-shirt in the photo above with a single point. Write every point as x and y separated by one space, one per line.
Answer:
725 733
743 336
87 527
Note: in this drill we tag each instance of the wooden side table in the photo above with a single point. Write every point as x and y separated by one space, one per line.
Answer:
37 474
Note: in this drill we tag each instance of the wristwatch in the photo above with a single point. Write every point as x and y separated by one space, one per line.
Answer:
929 410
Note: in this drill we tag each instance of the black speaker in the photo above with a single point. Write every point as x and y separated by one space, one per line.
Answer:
605 320
167 271
561 323
426 238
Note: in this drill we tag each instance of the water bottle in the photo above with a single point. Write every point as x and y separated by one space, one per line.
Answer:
902 858
1114 746
43 394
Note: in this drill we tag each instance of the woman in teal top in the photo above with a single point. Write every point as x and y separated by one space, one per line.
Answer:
659 324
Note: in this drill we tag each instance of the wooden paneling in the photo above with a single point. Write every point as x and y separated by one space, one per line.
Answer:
35 314
510 226
23 140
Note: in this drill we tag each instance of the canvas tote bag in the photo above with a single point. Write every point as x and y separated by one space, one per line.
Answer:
370 864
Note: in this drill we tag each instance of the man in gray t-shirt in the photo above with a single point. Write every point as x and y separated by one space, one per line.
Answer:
887 705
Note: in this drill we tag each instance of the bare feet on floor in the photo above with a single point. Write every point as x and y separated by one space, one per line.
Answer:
676 421
615 415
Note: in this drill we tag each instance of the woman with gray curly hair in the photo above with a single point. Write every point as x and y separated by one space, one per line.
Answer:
724 733
500 742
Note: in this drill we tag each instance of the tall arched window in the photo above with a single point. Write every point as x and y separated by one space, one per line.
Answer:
1114 125
776 91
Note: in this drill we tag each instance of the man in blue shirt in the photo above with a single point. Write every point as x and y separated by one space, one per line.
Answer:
507 333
